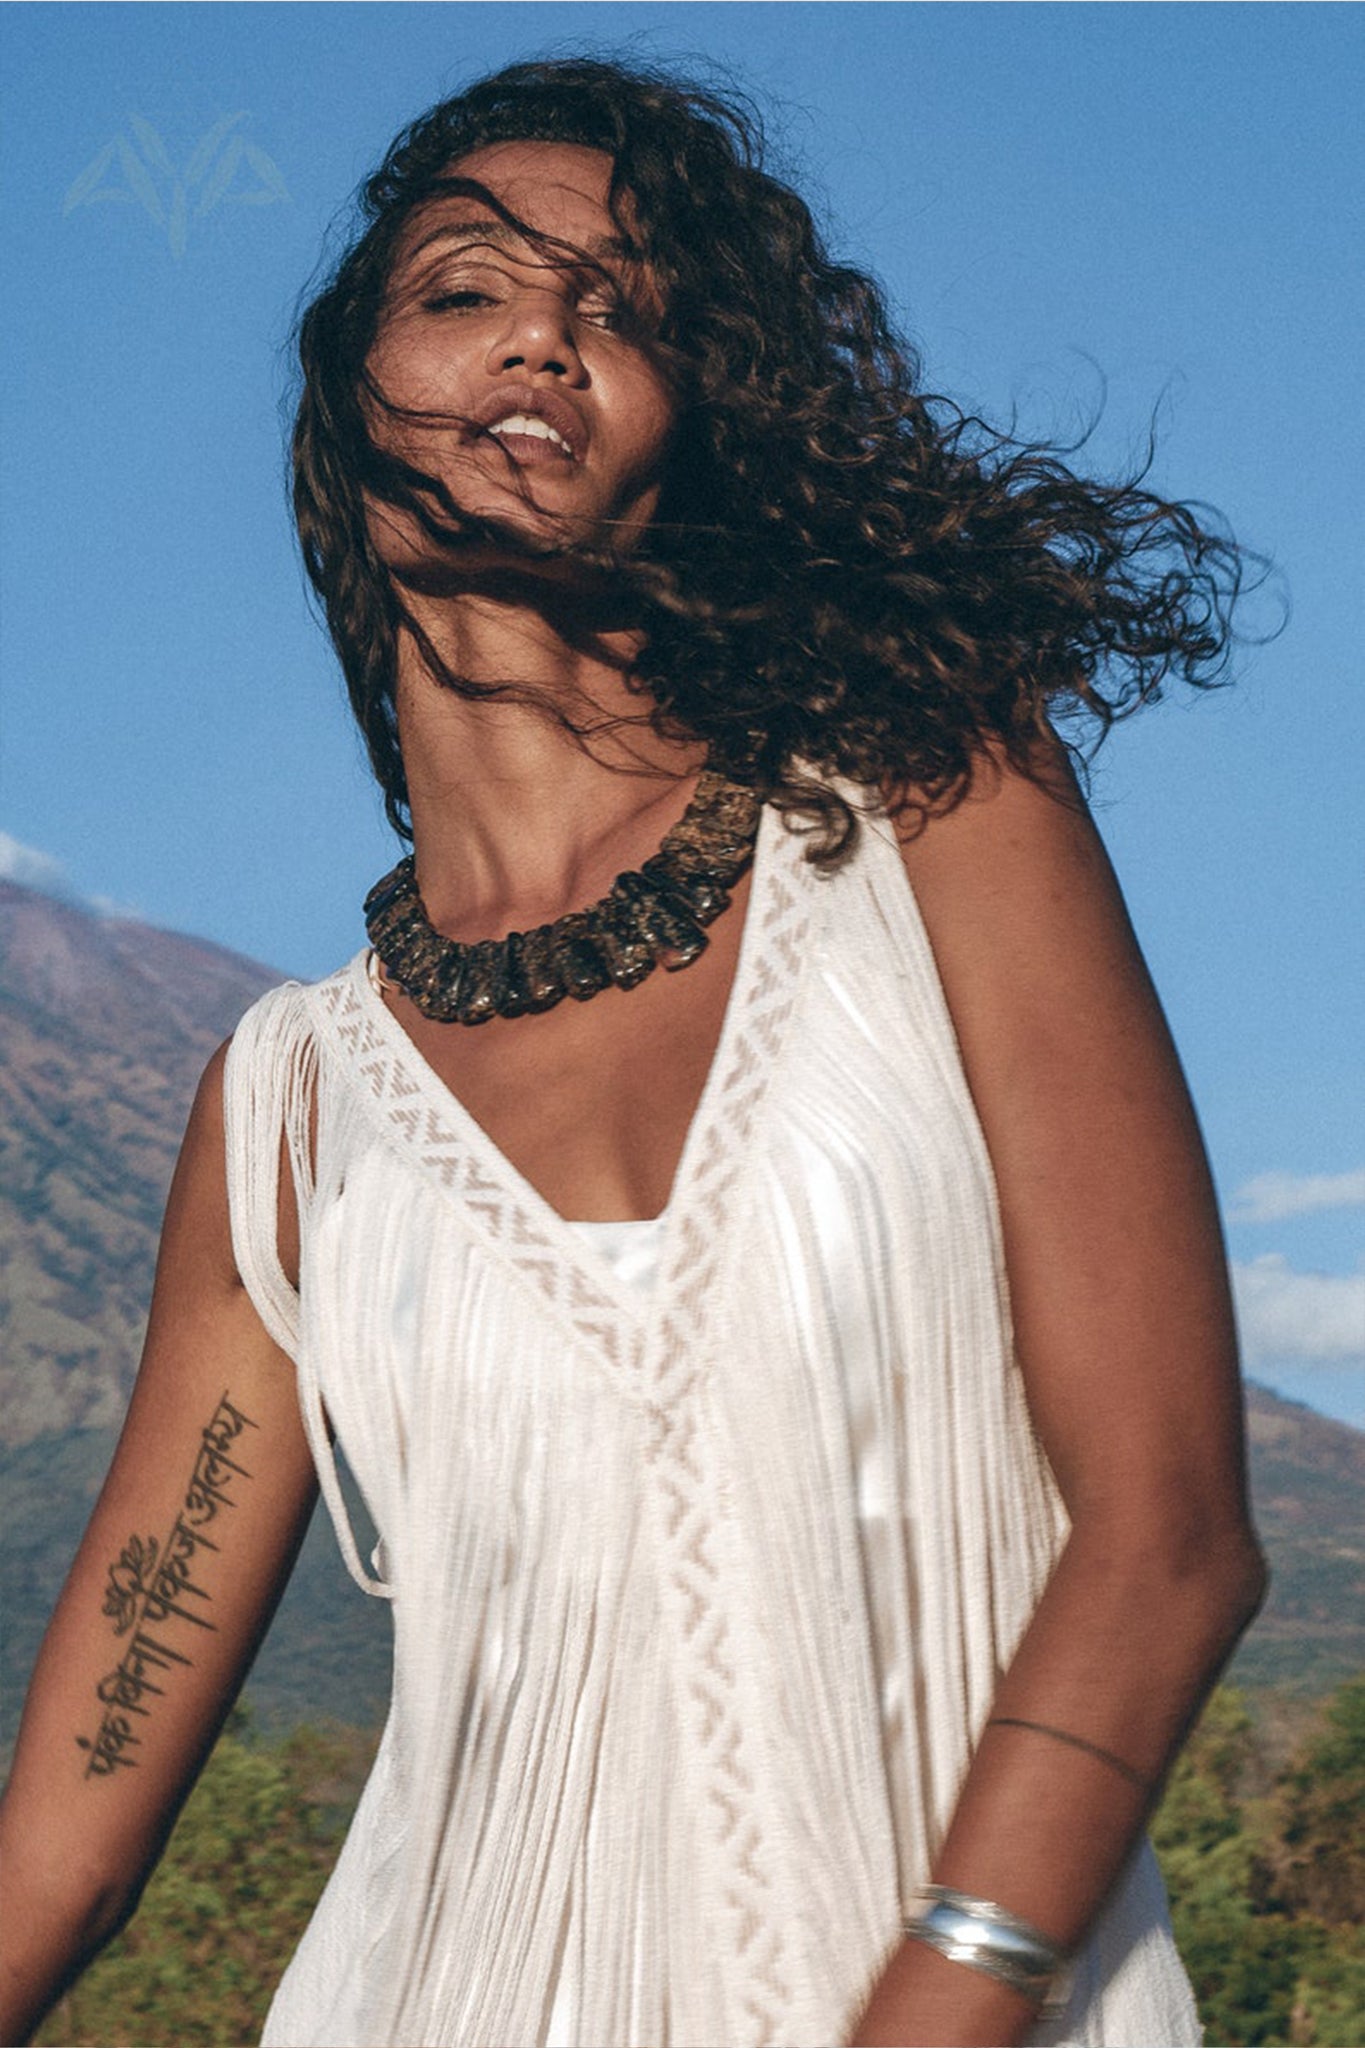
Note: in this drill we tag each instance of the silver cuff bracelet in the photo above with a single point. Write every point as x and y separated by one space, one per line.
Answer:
987 1938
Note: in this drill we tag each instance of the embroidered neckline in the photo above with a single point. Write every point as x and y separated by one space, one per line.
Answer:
419 1113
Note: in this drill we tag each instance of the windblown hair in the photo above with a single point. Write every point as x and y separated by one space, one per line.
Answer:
846 574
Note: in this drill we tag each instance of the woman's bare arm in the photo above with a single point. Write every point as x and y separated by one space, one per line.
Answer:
186 1553
1125 1338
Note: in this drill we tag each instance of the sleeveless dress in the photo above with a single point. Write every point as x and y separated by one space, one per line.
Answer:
705 1549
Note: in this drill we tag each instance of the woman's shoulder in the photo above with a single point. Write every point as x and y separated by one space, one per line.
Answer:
1014 883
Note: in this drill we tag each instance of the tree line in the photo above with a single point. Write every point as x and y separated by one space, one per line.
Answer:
1266 1874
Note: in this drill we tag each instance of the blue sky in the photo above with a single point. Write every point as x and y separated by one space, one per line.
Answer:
1167 195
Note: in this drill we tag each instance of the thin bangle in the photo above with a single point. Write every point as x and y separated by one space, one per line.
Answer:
1104 1756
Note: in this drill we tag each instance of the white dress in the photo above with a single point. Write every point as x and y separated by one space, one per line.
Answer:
701 1579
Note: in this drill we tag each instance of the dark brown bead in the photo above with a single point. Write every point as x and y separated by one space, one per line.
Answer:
545 985
661 923
385 891
584 970
445 989
510 997
700 893
476 1003
628 956
427 951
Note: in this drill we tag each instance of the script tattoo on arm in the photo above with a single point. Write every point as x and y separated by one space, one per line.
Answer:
151 1586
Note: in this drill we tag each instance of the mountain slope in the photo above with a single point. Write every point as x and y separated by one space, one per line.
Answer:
1308 1490
105 1026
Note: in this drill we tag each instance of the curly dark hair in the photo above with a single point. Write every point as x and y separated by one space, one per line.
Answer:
846 575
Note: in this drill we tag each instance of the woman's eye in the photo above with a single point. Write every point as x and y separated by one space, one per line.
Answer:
458 302
611 314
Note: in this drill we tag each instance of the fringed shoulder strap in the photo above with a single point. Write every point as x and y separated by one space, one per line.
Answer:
270 1094
266 1095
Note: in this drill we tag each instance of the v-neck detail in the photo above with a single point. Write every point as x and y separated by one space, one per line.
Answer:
422 1115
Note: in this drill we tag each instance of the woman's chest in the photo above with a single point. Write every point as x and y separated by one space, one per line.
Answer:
591 1103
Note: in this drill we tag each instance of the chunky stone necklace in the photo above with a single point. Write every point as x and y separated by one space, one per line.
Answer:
653 916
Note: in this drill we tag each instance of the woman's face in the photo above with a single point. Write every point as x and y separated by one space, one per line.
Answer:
554 417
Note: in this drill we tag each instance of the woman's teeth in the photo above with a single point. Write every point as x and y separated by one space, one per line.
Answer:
535 429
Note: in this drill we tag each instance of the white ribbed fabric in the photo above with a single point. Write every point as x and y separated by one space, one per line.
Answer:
701 1586
630 1249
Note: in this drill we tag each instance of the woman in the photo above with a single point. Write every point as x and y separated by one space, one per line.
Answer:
796 1393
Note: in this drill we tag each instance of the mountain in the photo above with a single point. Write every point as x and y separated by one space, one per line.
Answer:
104 1027
1308 1489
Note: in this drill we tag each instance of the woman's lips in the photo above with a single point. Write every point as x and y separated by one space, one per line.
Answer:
547 425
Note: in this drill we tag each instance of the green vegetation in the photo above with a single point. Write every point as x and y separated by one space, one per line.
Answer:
1266 1873
1267 1877
225 1909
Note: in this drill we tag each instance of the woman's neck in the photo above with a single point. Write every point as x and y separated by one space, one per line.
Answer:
515 818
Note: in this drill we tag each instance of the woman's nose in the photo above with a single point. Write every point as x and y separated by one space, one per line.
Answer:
537 335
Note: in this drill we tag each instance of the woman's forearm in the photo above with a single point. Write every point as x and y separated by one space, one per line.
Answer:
55 1922
1121 1651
